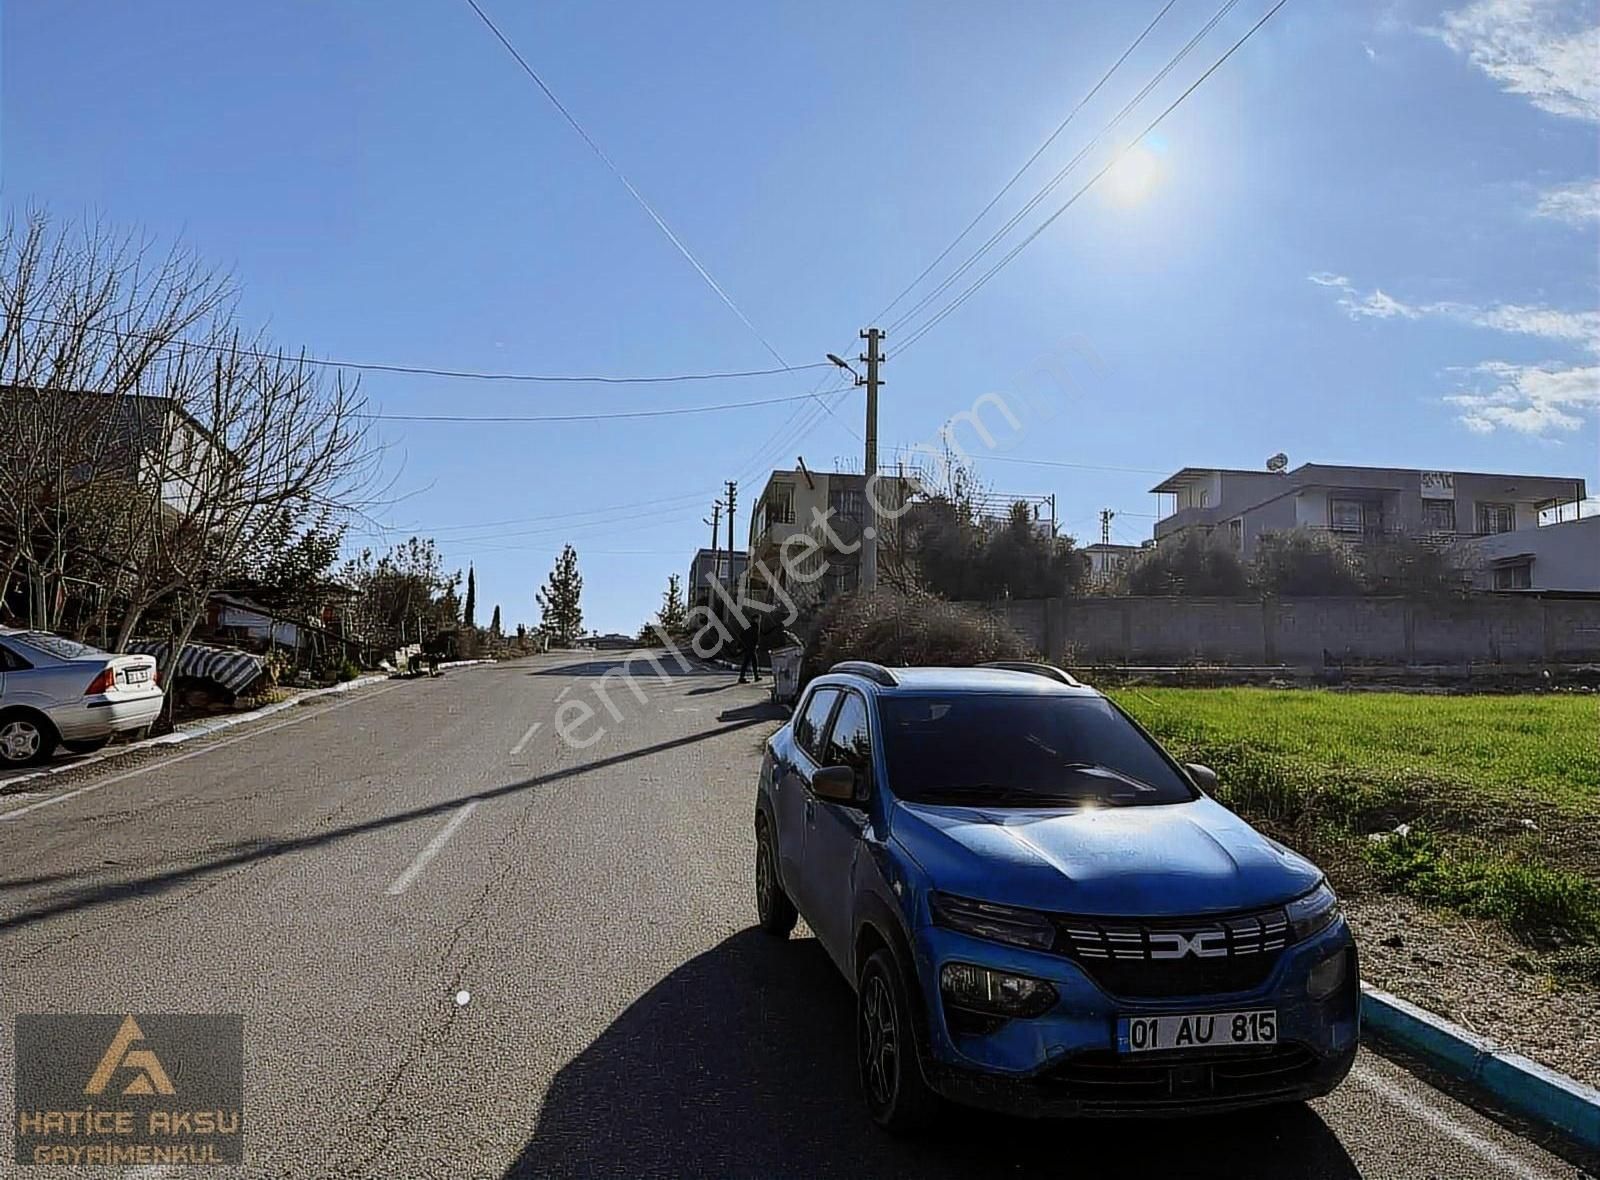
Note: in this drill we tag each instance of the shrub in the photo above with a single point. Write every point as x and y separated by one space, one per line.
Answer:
1192 566
1301 562
348 670
896 629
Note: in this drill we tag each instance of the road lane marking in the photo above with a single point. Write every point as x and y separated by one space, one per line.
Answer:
403 881
1509 1164
163 763
526 738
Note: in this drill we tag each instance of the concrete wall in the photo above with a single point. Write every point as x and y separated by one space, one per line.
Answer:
1309 631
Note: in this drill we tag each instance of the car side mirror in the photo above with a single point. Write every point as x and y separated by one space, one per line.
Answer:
835 783
1204 777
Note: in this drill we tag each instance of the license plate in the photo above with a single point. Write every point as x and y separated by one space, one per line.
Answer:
135 675
1197 1030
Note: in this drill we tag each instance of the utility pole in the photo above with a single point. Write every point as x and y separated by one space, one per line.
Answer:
714 522
1106 516
733 499
869 532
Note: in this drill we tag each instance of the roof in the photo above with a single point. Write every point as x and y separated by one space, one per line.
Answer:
1187 475
1107 547
986 680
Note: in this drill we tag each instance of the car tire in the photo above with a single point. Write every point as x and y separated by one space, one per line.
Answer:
773 908
86 745
897 1097
26 737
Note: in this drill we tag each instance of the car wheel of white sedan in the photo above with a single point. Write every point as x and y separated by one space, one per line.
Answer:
24 740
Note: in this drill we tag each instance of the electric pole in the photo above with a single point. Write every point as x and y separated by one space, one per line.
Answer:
869 531
733 498
1106 516
714 522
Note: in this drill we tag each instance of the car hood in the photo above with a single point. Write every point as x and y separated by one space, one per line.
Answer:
1159 860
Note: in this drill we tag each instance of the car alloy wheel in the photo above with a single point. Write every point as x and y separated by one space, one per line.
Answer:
764 875
773 907
880 1044
20 740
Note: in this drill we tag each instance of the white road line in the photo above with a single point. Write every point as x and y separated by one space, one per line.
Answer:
526 738
1508 1163
163 763
403 881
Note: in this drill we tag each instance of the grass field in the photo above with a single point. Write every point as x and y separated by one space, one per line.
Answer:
1497 797
1508 747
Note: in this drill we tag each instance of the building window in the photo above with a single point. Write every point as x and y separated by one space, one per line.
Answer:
1497 518
1439 516
1236 533
1515 575
846 503
1346 516
779 506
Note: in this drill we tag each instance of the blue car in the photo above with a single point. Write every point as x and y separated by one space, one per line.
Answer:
1041 912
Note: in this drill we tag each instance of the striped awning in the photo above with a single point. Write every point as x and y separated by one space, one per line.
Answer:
233 670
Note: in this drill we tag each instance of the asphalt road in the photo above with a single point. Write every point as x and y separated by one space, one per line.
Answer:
338 874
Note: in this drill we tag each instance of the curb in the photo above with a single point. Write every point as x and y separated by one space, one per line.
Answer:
1523 1087
189 730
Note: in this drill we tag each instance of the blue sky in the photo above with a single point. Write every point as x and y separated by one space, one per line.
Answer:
1370 237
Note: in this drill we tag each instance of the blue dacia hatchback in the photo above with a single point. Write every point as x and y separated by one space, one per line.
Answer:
1040 910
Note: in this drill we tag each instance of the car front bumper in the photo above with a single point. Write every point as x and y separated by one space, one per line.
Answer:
1066 1062
98 716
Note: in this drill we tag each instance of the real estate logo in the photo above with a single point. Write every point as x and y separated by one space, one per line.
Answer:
124 1089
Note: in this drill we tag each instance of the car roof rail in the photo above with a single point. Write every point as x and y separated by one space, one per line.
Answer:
1038 669
876 673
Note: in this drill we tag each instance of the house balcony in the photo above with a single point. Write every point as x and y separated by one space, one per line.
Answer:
1187 518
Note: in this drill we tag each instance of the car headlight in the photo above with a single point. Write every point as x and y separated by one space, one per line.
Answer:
1312 913
1001 923
1000 993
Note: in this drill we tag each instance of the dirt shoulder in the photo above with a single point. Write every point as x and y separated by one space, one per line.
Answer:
1474 973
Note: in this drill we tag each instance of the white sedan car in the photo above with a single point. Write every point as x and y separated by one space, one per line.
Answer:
57 691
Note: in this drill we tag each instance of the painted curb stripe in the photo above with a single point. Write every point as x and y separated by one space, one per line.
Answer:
1523 1087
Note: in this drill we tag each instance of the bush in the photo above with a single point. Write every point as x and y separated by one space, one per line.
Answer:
1193 566
905 630
1300 562
347 671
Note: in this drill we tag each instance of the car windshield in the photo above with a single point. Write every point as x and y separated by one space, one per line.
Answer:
55 645
1017 750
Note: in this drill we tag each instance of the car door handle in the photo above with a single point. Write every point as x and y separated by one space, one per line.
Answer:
811 808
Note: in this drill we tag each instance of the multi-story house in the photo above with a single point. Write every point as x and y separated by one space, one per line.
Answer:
711 568
829 508
1355 503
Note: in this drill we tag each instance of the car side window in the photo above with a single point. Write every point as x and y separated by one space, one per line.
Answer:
850 740
813 720
10 661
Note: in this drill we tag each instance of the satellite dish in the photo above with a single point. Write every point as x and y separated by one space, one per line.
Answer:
1278 462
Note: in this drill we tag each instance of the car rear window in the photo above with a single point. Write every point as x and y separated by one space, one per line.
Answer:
1005 750
55 645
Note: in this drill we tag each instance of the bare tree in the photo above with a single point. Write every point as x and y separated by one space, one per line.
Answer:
147 445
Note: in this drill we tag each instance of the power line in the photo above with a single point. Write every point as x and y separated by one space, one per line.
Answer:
1072 200
1066 169
1071 466
426 371
1028 163
668 413
626 183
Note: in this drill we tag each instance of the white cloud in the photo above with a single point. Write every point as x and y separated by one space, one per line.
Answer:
1543 49
1549 323
1576 203
1530 399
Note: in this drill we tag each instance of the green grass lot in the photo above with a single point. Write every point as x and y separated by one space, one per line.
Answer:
1499 795
1511 748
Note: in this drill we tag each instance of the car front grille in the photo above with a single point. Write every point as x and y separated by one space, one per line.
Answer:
1175 956
1109 1082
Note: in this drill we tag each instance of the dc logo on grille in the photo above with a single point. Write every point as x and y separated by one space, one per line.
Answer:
1205 944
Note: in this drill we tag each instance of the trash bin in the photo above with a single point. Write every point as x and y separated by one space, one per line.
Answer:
786 674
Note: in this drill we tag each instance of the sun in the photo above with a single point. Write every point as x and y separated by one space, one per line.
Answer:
1132 178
